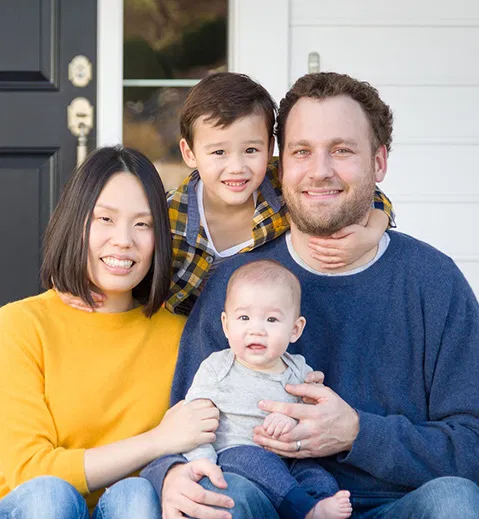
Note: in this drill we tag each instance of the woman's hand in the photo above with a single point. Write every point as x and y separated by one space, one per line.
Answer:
78 303
185 426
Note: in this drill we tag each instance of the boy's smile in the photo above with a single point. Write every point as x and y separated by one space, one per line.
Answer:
231 161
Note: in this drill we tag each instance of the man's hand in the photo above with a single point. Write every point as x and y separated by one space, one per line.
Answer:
314 377
327 427
182 494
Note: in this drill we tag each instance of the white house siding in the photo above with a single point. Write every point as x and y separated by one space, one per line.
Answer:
422 56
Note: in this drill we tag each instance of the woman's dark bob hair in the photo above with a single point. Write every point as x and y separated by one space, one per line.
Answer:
65 244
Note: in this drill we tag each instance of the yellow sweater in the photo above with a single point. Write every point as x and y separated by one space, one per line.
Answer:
71 380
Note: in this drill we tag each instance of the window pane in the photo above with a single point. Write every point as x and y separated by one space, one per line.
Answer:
151 125
174 39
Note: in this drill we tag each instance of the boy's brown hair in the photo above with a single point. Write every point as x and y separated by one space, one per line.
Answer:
224 98
323 85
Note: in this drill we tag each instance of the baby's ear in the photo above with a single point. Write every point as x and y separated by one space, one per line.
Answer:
187 154
224 323
298 328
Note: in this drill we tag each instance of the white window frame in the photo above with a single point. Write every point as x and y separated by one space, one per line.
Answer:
249 21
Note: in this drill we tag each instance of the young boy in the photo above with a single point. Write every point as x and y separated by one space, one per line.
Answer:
233 202
261 317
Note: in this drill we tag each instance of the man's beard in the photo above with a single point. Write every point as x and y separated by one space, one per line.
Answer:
324 220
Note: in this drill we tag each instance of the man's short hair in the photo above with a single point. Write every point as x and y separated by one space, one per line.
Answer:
323 85
270 272
66 240
223 98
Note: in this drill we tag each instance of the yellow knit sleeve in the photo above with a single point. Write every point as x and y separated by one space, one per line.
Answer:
28 440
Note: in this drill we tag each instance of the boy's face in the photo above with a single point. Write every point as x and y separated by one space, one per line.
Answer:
259 321
231 161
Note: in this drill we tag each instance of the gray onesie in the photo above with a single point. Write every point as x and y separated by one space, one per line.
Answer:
236 391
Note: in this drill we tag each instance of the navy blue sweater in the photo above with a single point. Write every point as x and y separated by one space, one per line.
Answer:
399 342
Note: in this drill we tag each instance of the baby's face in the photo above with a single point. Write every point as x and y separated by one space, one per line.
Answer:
260 320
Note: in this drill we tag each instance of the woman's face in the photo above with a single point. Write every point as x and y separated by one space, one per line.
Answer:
121 238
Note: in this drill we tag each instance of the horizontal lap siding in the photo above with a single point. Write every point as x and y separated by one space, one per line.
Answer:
422 57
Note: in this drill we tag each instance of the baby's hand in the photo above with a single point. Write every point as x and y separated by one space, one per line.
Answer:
276 424
77 302
343 247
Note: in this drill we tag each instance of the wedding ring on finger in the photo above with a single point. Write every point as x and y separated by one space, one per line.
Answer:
298 445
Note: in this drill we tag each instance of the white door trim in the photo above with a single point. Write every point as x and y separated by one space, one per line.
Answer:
109 72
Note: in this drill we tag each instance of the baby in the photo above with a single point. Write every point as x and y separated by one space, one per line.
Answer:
261 317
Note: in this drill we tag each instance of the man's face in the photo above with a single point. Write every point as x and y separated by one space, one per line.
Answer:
329 169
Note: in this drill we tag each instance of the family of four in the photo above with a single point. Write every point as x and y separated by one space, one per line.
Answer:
258 343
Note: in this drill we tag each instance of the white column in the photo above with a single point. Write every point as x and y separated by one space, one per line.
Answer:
110 72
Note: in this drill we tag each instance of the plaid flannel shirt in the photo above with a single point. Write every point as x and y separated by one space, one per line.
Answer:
193 255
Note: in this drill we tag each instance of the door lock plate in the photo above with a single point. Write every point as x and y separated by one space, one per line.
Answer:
80 116
80 71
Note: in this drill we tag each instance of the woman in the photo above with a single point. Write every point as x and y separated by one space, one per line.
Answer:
84 396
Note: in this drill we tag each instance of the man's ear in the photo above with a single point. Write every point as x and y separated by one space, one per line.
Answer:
187 154
381 163
298 328
224 323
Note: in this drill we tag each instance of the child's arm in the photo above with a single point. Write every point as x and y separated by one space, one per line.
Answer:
352 242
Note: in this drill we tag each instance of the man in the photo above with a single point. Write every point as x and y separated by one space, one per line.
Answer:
396 333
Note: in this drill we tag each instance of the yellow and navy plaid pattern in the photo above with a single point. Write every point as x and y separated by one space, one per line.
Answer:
192 254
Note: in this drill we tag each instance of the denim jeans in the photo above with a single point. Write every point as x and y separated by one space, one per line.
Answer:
293 486
250 502
48 497
441 498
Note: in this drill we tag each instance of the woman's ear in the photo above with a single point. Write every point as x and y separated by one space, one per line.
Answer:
187 154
